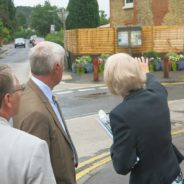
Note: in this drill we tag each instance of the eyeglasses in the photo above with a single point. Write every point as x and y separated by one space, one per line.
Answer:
21 88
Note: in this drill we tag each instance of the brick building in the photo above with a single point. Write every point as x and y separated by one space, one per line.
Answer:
146 12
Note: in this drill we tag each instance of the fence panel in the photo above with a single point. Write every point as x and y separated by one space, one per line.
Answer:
161 39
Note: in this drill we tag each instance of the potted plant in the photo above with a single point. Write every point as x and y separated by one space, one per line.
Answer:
79 66
158 64
152 56
181 63
102 59
173 59
83 64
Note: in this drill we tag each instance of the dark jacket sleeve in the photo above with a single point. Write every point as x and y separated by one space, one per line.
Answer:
123 150
153 84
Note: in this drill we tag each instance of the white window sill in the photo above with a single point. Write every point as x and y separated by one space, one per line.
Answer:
128 6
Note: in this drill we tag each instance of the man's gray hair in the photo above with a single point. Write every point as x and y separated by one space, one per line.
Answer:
7 82
43 57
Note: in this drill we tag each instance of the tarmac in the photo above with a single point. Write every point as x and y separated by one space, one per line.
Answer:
92 141
88 136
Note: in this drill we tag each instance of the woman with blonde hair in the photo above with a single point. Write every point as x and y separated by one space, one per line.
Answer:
142 142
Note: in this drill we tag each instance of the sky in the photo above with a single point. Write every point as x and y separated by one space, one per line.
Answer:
103 4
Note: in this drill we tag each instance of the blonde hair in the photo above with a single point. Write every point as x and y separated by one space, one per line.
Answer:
123 74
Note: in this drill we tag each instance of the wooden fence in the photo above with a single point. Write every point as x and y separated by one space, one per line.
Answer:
161 39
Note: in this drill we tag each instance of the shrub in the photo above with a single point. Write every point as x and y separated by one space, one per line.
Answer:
56 37
151 54
24 33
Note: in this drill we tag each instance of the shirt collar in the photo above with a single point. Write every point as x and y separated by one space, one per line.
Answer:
43 87
4 121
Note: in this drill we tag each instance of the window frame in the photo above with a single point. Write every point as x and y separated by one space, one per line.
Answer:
128 5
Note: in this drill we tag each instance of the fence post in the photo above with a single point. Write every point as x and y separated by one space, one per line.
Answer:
95 68
166 67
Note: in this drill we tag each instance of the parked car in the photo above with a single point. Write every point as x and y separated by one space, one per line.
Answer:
19 42
33 37
37 40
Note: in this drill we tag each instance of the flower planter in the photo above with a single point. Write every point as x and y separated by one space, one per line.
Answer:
151 67
101 67
173 66
88 68
80 69
181 65
158 66
74 67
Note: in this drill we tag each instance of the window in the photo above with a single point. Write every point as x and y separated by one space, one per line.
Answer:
128 4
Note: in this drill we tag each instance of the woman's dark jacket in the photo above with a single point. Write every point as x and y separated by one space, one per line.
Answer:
141 128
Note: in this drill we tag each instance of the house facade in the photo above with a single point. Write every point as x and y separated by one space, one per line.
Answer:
146 12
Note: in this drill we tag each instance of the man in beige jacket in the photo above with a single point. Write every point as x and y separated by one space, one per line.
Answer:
40 114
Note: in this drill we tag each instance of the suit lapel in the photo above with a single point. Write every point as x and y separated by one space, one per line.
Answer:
44 99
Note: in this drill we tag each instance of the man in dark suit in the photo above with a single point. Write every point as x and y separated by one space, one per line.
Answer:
40 114
142 142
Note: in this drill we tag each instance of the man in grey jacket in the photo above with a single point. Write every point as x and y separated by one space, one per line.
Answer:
23 158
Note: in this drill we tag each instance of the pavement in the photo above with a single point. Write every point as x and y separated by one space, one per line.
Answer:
92 142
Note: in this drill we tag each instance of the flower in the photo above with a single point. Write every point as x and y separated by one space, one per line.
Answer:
173 57
83 59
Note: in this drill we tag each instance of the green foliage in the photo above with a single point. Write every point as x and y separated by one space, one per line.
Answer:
82 14
23 14
6 35
1 29
84 59
102 60
104 56
43 16
57 37
7 13
103 17
173 57
151 54
23 33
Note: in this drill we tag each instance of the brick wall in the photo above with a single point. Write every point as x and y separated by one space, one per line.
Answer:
147 12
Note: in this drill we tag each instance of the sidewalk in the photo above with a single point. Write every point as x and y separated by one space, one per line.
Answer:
90 139
5 48
72 80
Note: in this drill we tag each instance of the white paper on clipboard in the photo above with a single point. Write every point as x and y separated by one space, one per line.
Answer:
104 121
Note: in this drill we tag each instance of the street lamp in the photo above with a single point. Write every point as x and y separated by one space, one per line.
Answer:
63 14
52 27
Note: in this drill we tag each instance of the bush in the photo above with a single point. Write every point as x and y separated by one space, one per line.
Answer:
151 54
24 33
57 37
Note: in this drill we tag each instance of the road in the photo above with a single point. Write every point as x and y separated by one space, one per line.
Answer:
82 102
76 102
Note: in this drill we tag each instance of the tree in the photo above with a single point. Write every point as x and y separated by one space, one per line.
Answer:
43 16
103 17
23 14
82 14
21 20
7 13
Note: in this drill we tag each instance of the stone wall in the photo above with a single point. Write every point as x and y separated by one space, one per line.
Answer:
147 12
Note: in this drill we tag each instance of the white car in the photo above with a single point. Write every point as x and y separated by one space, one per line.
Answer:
19 42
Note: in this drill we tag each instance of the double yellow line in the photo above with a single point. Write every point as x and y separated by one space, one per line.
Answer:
172 83
100 160
94 162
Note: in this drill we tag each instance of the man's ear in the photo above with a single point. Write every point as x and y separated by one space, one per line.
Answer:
57 67
7 100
